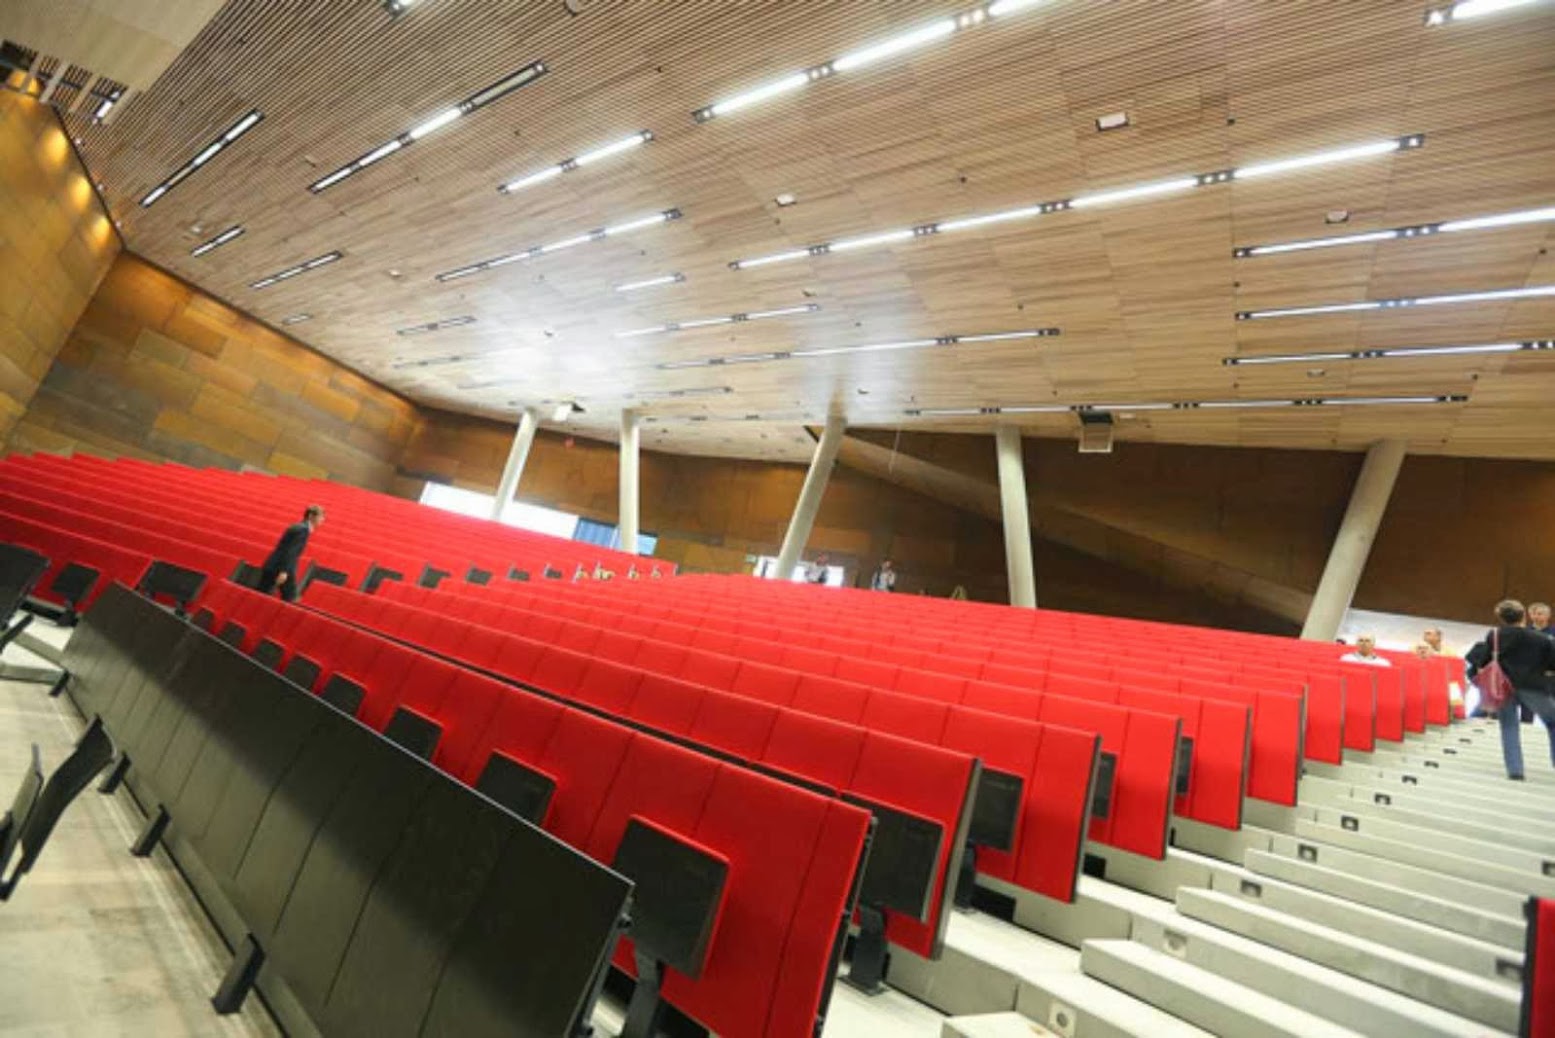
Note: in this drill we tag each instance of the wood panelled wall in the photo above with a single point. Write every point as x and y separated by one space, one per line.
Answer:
55 246
157 369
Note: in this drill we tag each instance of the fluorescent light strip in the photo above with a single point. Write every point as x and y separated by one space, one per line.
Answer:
1185 405
706 322
878 53
663 279
1393 304
871 347
1393 352
201 158
291 272
217 242
1419 230
566 243
567 165
1467 9
436 326
523 77
1092 199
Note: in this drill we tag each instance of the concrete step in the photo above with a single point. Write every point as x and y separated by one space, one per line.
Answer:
1077 1005
1367 864
994 1025
1399 899
1490 812
1411 846
1212 1002
1497 793
1325 992
1490 1002
1408 935
1504 832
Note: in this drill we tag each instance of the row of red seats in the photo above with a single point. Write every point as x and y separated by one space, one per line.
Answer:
63 547
792 853
1219 730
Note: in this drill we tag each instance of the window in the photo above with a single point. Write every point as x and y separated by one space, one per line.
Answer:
766 568
538 518
607 535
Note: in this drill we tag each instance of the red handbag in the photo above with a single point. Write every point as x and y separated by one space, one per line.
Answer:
1495 688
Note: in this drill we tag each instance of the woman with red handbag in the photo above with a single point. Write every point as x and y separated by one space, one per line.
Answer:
1509 667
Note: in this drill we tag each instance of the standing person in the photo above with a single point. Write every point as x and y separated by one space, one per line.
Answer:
1365 652
1432 637
1525 655
280 569
885 577
1539 618
815 572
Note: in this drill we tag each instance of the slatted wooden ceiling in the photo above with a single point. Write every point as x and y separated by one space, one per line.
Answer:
996 116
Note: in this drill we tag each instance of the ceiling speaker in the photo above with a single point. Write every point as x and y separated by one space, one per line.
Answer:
1096 433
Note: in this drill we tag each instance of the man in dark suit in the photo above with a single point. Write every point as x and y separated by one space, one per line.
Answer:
280 569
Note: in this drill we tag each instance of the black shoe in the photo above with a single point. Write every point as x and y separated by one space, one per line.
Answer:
1515 778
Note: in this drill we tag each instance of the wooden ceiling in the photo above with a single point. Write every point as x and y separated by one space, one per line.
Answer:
998 115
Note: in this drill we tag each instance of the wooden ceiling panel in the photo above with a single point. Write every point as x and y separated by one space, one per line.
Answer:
997 116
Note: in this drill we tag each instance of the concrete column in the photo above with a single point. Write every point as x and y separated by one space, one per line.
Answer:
1017 517
809 502
514 469
1347 558
628 513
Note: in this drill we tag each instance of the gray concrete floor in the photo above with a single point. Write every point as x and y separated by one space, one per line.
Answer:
93 941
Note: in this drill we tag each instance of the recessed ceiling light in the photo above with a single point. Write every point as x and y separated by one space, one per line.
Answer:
301 268
1377 353
296 319
1184 405
436 326
1410 231
1495 295
217 242
1111 121
707 322
557 246
584 159
1467 9
785 200
205 154
1337 216
663 279
523 77
869 347
1112 196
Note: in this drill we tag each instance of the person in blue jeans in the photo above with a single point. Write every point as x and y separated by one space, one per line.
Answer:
1527 656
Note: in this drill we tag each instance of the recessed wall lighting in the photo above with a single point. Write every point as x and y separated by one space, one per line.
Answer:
436 326
217 242
203 156
567 165
1112 196
599 234
301 268
500 89
1495 295
708 322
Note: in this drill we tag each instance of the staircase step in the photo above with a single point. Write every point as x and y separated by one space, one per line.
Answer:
1490 1002
1203 998
1075 1004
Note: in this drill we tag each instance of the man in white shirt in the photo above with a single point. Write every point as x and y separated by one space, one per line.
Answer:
885 577
1365 652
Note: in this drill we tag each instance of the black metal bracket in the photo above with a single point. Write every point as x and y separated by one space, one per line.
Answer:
643 1011
240 977
966 879
871 958
151 835
9 634
111 781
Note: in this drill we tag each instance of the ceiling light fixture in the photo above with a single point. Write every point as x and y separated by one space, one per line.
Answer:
1467 9
296 319
1112 196
301 268
663 279
1377 353
523 77
567 165
1185 405
1410 231
436 326
870 347
1391 304
599 234
203 156
706 322
217 242
905 42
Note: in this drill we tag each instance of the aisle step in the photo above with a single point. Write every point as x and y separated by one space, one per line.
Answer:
1203 998
1491 1002
1418 848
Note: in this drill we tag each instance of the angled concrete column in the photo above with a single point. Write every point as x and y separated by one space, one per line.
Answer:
629 482
1017 517
514 469
809 502
1347 558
